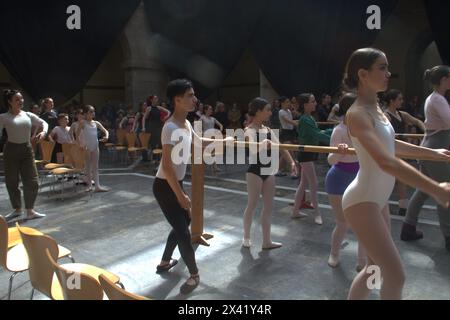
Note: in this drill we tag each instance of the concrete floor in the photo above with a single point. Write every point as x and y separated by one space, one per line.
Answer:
124 232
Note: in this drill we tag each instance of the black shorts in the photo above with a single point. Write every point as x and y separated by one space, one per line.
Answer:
287 135
307 157
256 170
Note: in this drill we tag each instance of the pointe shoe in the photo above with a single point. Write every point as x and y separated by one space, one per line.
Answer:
333 261
246 243
272 245
318 220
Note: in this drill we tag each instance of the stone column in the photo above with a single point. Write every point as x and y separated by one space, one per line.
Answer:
266 90
143 75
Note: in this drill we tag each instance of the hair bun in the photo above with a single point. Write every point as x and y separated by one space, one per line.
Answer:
427 74
349 83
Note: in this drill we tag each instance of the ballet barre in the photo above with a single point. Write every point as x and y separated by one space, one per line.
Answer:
328 123
410 135
327 150
198 182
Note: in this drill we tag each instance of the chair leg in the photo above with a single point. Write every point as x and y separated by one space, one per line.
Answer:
32 294
11 279
121 285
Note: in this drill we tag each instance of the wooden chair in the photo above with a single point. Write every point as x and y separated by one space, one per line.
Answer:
131 142
47 150
157 153
75 157
144 139
67 152
41 270
113 292
121 142
13 256
76 285
121 137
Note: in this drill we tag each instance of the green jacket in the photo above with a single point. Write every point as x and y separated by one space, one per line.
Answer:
309 134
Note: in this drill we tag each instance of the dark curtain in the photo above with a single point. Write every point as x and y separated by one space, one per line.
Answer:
47 58
302 46
438 15
202 39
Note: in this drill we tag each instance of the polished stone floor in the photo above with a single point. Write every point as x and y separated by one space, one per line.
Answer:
124 232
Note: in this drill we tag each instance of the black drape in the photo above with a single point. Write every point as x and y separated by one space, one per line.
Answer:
201 39
302 46
47 58
438 14
299 45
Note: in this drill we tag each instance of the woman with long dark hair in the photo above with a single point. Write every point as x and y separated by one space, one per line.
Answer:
308 134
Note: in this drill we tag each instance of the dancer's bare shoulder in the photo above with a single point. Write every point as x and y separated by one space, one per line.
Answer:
358 119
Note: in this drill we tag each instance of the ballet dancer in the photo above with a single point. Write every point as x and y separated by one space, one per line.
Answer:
365 202
259 183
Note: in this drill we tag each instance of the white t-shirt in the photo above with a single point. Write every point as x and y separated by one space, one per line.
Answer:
333 117
19 126
340 135
208 123
62 134
437 113
181 140
284 124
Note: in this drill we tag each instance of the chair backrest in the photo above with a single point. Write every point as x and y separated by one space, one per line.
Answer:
114 292
76 285
121 136
47 150
67 151
78 157
3 241
13 237
131 139
40 268
145 139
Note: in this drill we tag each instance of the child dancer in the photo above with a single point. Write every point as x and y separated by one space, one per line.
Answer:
89 128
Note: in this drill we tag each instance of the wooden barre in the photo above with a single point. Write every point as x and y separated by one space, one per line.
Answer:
318 149
410 135
329 123
198 186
